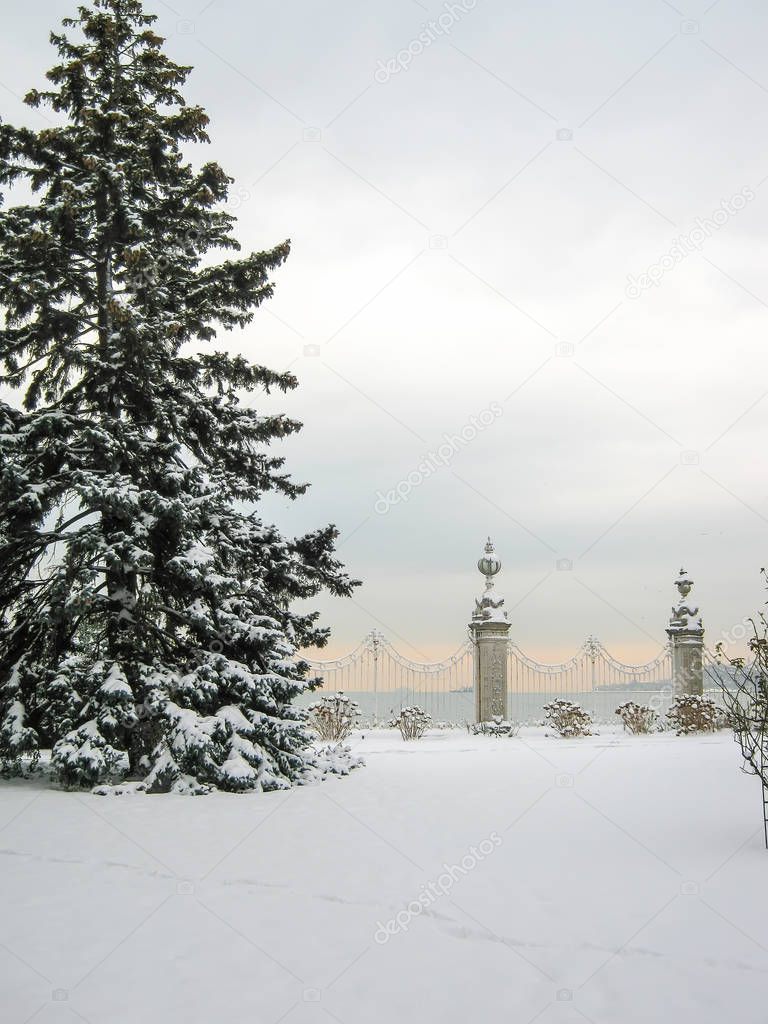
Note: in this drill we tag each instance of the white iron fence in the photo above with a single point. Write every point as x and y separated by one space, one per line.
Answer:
382 681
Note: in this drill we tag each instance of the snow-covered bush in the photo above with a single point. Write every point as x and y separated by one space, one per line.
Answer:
568 719
691 713
334 716
337 759
412 722
496 727
636 718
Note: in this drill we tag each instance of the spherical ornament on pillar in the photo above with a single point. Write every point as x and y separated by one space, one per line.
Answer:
488 606
490 564
683 583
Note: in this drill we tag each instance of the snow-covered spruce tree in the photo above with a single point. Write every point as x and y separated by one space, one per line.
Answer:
145 609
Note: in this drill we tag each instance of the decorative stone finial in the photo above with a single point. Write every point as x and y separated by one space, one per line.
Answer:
490 564
682 612
683 583
488 607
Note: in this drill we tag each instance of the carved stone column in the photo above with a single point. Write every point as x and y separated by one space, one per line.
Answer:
489 630
686 638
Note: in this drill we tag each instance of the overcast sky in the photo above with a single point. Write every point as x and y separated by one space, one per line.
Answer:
529 244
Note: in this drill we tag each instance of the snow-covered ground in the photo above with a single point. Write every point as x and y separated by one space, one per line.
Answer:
611 879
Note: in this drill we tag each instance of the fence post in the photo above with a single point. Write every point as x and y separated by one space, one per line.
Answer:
376 638
686 638
489 630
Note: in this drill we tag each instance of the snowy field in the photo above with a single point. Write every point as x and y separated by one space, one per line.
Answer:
611 879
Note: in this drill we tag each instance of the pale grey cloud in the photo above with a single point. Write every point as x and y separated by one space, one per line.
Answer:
463 233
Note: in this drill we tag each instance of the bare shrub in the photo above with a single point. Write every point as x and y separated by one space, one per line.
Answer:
568 719
636 718
412 722
333 717
691 713
746 704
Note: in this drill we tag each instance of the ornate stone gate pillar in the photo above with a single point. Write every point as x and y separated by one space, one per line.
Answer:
489 630
686 639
